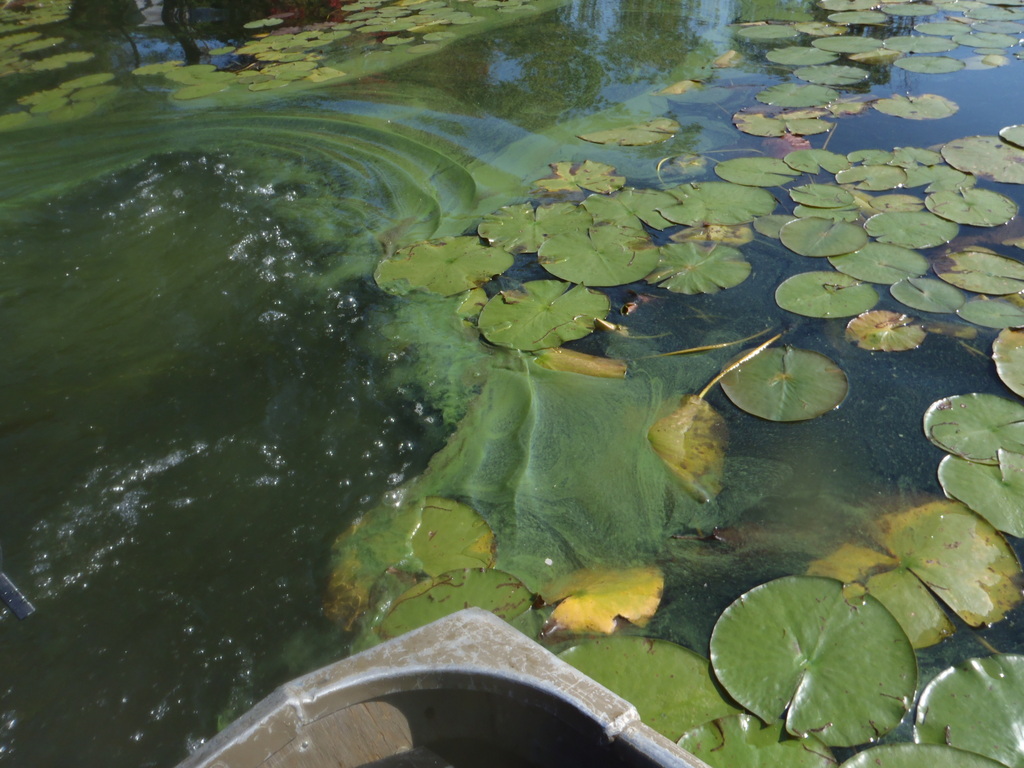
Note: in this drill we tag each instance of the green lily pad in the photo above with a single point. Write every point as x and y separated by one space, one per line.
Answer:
514 228
767 32
917 756
262 23
927 295
800 56
825 294
884 331
604 254
977 706
446 266
908 157
743 741
796 95
650 132
977 207
849 214
976 426
873 177
940 28
785 648
821 196
881 263
813 236
627 205
987 156
770 226
981 271
858 17
847 44
847 5
200 90
819 28
649 674
974 39
786 384
816 160
831 74
1008 355
1013 134
690 268
573 177
760 124
451 536
496 591
929 65
755 171
542 314
926 107
896 203
909 9
919 44
911 229
992 313
996 492
717 202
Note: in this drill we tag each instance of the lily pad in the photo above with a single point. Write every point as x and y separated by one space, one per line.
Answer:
496 591
818 237
743 741
881 330
451 535
977 207
594 600
821 195
589 175
992 313
919 44
783 124
1008 355
815 160
847 44
873 177
800 56
911 229
571 361
691 440
514 228
542 314
784 648
926 107
858 17
717 202
786 384
690 268
981 271
917 756
831 74
987 156
447 266
650 132
881 263
929 65
976 426
755 171
796 95
1013 134
996 492
927 295
767 32
604 254
977 706
825 294
627 205
650 674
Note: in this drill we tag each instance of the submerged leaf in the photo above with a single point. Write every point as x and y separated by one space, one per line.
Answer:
570 361
542 314
692 441
785 648
594 600
451 535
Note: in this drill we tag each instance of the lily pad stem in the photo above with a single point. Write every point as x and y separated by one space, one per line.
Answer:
732 366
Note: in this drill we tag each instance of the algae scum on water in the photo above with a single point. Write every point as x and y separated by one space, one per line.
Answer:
724 341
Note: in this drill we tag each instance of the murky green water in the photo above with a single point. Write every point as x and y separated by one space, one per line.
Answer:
198 392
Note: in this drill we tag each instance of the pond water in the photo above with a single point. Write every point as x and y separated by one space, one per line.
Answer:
203 386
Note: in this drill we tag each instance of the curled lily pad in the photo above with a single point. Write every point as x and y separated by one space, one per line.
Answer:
1008 355
1013 134
825 294
690 268
796 95
499 592
977 207
594 600
787 384
814 236
929 65
446 266
604 254
917 756
976 706
691 440
976 426
831 74
927 295
987 156
743 740
926 107
992 313
911 229
649 674
885 331
996 492
542 314
981 271
755 171
573 177
881 263
650 132
784 648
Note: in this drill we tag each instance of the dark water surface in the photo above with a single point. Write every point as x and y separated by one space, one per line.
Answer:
195 394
